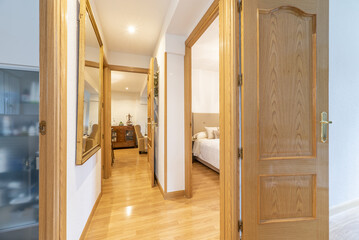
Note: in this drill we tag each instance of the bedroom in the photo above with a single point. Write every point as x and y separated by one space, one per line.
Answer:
205 110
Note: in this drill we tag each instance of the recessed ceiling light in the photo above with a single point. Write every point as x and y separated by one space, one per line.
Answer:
127 88
131 29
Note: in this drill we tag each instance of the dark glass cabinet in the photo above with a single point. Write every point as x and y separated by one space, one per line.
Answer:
19 154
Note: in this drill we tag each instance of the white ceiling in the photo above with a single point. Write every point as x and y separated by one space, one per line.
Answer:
133 81
187 15
146 16
205 52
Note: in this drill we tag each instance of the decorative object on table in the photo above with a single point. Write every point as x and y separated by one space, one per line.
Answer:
120 124
129 122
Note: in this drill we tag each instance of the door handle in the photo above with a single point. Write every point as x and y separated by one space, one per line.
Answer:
324 126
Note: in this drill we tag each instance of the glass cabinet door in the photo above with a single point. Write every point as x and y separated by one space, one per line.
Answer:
19 119
19 154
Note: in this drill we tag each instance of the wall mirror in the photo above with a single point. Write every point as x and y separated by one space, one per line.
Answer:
89 85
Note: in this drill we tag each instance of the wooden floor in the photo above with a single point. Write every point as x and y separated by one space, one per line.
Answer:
345 226
131 209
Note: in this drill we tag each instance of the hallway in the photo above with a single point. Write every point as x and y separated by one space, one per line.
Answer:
131 209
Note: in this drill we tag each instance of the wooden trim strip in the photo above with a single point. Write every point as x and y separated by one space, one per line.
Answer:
160 187
208 18
211 14
107 149
188 120
229 118
84 231
63 136
92 64
129 69
174 195
53 110
165 120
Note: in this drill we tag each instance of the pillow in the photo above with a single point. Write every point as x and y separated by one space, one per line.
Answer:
216 134
210 130
200 135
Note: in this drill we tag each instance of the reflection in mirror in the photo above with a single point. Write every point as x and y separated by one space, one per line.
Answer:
91 131
89 86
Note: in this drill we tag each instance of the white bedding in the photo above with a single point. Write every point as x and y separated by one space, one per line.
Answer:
207 150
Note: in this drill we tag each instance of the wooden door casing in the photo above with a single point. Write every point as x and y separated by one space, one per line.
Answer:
285 88
150 121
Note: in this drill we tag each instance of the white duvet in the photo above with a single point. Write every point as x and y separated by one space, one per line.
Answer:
207 150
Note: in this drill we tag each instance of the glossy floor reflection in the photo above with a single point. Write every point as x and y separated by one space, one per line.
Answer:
131 209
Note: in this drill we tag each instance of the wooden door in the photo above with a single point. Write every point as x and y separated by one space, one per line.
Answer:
285 90
151 123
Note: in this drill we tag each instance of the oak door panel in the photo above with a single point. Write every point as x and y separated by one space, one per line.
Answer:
286 39
285 89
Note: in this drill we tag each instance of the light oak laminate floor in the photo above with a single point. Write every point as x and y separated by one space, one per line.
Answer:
131 209
345 226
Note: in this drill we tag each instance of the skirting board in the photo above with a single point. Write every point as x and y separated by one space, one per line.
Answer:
176 194
160 187
84 232
169 195
343 207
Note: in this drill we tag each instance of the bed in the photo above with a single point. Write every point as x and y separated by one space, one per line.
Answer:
204 150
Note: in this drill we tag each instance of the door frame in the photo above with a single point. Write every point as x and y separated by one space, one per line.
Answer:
53 110
208 18
228 12
107 148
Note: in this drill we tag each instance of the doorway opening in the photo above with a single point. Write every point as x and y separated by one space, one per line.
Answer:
125 113
205 121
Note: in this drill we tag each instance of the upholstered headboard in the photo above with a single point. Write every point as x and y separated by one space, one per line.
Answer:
201 120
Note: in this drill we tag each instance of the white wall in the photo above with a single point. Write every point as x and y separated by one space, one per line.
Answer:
123 103
83 182
19 22
205 91
175 123
343 107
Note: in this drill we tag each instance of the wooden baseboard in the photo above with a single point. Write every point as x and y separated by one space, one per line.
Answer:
343 207
84 232
176 194
160 187
169 195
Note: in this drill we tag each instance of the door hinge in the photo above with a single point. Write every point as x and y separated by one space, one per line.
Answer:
240 79
103 136
103 105
240 153
240 226
42 127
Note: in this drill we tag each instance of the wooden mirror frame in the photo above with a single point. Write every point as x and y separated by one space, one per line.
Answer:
81 157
